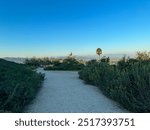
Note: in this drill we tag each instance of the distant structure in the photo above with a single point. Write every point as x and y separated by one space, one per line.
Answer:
70 55
99 52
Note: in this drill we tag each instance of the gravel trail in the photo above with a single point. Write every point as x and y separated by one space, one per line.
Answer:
64 92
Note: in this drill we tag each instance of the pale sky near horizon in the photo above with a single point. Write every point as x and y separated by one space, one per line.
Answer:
57 27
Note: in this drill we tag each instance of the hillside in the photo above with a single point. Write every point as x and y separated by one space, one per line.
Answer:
18 85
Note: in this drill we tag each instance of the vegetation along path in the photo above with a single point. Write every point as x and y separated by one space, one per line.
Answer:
63 91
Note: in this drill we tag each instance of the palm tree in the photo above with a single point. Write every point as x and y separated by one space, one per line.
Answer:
99 52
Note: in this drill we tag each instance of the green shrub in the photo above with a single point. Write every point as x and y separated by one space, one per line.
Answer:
55 64
18 85
66 64
37 62
128 82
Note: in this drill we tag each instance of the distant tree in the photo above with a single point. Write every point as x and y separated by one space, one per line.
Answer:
99 52
91 62
32 62
122 63
105 59
143 55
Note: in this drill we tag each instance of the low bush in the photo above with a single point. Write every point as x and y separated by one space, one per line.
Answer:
66 64
55 64
18 85
37 62
128 82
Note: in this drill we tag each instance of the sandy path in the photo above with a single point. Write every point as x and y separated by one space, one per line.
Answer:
63 91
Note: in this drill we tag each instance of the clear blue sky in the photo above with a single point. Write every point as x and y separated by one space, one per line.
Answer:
58 27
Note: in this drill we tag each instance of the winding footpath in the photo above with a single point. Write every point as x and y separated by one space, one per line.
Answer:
64 92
